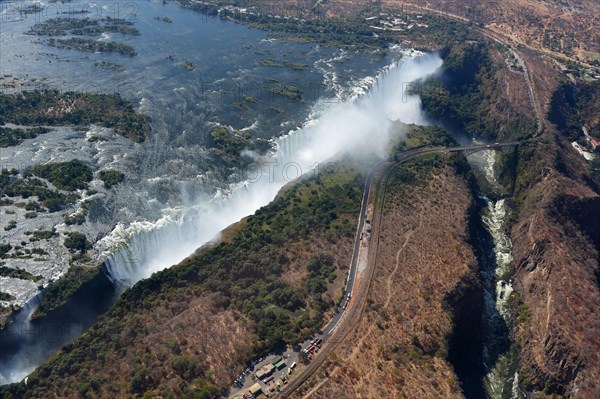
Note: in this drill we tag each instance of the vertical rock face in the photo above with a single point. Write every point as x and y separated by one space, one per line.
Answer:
465 341
556 259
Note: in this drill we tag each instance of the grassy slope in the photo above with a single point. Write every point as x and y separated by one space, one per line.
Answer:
192 327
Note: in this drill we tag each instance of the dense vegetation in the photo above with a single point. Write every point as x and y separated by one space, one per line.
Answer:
6 177
229 145
575 106
321 269
41 234
440 32
244 271
467 97
4 249
58 292
12 137
111 178
68 176
335 28
54 108
420 136
166 20
289 91
77 218
83 27
6 297
77 241
92 46
339 32
18 273
53 200
293 65
86 27
110 66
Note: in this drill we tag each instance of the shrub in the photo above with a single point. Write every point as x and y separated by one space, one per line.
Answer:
76 241
111 178
67 176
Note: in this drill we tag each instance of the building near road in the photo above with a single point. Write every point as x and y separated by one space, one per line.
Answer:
265 371
255 389
277 360
279 365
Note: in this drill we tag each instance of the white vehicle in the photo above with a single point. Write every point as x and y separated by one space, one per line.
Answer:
292 366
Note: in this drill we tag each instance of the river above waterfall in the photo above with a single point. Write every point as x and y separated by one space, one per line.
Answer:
177 194
233 83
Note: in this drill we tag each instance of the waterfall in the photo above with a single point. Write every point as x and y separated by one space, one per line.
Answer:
353 127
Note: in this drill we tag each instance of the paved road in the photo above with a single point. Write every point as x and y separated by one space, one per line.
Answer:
502 39
341 320
329 335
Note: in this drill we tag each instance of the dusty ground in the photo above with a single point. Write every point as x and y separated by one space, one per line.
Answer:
567 28
399 348
557 262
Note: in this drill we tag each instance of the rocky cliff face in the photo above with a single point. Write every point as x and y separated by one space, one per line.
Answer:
556 259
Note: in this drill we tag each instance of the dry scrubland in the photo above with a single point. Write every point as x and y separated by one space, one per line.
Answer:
425 273
188 331
424 265
566 28
556 242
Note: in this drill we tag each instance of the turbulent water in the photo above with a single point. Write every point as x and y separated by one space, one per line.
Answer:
356 126
499 355
177 196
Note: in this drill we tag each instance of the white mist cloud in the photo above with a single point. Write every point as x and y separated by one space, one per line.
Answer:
354 127
364 125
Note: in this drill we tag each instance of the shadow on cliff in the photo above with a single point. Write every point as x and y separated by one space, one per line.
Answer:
480 335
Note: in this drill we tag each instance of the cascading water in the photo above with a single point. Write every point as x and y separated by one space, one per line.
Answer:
356 126
499 354
176 196
360 126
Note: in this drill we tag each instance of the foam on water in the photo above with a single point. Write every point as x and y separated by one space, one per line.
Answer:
499 354
353 127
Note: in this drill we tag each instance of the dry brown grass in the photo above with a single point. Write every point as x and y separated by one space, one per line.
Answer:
556 264
398 349
521 21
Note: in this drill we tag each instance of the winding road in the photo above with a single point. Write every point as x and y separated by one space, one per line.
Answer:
345 319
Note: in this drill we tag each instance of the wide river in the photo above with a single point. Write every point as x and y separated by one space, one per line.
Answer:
177 193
